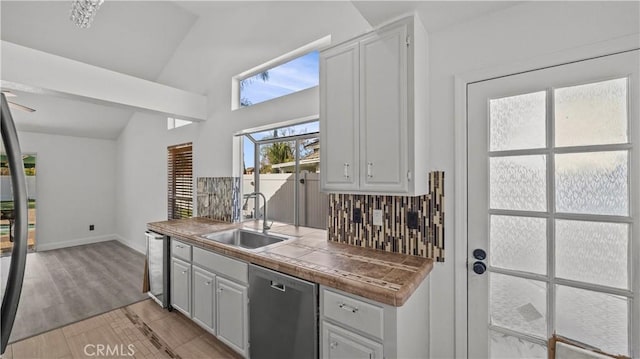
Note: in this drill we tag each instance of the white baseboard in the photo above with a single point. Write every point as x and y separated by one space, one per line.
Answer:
129 244
74 242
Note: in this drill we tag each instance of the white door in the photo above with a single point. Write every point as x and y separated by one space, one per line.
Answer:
383 111
181 286
339 343
231 314
204 297
339 117
553 199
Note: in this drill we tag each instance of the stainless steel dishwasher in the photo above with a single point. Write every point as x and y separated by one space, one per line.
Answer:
283 316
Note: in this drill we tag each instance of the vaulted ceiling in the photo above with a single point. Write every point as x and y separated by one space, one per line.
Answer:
140 38
132 37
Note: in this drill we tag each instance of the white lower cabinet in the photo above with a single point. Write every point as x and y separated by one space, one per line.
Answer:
211 289
204 299
231 312
181 286
339 343
356 327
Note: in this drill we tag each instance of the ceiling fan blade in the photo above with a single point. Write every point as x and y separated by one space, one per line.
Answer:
20 107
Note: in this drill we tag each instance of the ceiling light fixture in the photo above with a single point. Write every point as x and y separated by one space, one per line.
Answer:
83 12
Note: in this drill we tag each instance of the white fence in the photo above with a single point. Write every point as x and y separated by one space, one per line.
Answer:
279 190
6 193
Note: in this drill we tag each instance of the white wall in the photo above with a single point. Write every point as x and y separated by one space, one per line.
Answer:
141 167
513 35
76 185
142 146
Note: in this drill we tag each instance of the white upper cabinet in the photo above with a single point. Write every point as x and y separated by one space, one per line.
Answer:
373 112
339 88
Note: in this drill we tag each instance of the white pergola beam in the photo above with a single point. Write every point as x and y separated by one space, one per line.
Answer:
30 70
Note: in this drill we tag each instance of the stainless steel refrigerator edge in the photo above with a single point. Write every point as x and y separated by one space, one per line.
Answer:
11 296
283 315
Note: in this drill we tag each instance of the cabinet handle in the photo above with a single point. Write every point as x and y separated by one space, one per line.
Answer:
219 290
346 170
207 283
179 246
370 169
348 308
333 345
184 272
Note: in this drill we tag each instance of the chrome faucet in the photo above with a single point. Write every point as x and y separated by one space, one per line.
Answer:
265 226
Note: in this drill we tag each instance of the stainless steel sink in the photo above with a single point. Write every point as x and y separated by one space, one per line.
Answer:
245 238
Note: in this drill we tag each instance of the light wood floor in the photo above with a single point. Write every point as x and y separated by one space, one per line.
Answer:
66 285
141 330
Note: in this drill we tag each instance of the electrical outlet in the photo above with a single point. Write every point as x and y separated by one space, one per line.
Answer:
377 217
412 220
357 215
92 227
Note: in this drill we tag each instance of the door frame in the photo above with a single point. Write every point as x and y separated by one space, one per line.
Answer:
35 242
461 81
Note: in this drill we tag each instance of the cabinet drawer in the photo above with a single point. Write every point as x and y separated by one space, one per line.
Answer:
181 250
220 264
354 313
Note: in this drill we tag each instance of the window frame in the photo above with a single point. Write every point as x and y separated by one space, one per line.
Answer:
246 134
175 187
317 45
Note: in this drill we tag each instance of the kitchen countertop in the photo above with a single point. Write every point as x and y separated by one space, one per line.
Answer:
389 278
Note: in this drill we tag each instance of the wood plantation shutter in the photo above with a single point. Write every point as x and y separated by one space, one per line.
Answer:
180 184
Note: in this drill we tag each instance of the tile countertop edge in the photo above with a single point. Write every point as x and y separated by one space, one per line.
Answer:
198 226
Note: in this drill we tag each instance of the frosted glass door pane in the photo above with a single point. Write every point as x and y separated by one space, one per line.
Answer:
518 304
519 243
503 346
594 183
518 183
596 319
592 252
592 114
518 122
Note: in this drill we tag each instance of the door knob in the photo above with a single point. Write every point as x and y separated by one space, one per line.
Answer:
479 267
479 254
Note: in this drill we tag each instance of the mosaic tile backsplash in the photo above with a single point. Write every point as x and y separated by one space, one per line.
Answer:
219 198
394 235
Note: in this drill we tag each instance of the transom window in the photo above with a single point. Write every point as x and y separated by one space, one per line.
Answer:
289 73
296 75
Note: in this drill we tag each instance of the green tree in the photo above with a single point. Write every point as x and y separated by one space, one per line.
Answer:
278 152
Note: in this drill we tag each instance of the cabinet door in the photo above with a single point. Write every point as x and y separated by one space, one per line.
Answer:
181 286
339 118
204 298
383 111
231 314
339 343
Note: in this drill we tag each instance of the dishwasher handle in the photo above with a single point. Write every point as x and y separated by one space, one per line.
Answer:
278 286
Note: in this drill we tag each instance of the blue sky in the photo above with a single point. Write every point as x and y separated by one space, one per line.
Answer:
298 74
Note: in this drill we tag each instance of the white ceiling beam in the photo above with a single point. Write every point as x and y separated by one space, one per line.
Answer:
26 69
